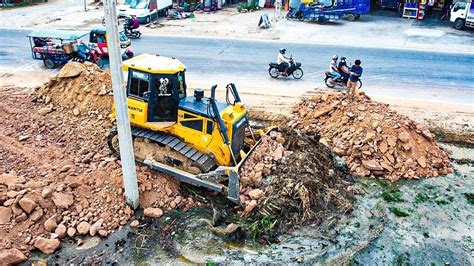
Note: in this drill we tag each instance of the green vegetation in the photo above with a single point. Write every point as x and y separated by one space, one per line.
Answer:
22 4
259 227
250 7
421 197
438 132
392 195
401 259
469 197
382 182
399 212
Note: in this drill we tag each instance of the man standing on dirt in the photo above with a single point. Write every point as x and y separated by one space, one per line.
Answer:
356 72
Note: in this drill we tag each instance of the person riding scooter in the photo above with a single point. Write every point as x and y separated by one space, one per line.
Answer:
343 69
283 61
333 68
83 49
132 23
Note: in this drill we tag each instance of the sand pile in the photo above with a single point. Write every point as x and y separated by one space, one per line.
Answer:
82 89
371 138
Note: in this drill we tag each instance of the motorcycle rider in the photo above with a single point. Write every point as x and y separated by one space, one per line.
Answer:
343 69
333 68
283 61
83 49
132 23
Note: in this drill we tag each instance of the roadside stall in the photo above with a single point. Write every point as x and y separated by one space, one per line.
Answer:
54 47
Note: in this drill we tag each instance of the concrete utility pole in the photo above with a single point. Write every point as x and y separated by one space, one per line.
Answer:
121 109
85 5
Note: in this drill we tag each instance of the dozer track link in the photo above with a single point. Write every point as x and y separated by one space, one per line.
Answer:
200 160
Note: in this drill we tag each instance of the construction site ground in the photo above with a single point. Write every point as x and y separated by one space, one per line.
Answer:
55 149
53 152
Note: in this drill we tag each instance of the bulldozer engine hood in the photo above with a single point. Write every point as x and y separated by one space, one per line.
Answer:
201 107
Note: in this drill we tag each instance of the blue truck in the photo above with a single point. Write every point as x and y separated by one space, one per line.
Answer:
322 12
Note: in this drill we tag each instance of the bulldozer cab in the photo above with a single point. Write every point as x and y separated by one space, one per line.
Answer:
159 84
162 92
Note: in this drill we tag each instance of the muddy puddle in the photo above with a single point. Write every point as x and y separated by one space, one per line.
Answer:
416 222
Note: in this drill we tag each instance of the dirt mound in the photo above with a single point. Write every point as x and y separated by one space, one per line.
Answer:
57 177
83 89
371 138
305 186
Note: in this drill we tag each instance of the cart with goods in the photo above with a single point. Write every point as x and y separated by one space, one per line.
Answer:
54 47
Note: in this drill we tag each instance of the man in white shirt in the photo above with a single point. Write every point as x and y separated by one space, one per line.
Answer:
429 7
283 61
333 68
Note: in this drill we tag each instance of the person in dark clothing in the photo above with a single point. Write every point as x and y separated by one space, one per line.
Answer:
132 23
429 7
40 42
343 69
355 74
447 4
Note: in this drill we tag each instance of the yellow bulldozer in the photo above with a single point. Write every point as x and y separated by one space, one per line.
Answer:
193 138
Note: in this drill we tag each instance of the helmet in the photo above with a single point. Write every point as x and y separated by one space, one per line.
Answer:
343 58
282 51
335 57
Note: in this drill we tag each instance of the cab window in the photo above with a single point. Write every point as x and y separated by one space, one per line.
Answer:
181 85
209 127
192 122
137 87
460 6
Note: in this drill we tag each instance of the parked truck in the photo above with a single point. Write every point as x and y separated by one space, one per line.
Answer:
146 10
462 15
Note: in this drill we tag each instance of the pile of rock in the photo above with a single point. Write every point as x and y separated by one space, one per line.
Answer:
258 166
371 138
57 178
82 89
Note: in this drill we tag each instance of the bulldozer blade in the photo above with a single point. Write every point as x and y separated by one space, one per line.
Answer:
231 173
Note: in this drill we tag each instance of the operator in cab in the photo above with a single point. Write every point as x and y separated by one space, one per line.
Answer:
283 61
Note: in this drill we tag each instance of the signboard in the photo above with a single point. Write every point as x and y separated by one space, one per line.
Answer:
264 21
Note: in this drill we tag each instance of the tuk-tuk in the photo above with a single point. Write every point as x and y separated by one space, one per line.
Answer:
54 47
98 40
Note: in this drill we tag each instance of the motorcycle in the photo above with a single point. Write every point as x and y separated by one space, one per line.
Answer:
331 82
91 56
295 70
132 33
294 13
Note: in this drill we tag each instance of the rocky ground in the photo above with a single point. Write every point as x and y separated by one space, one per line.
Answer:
372 139
57 178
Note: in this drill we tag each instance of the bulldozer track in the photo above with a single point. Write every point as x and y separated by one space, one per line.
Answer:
203 161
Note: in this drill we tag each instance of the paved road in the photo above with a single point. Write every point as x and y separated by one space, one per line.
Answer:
424 74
